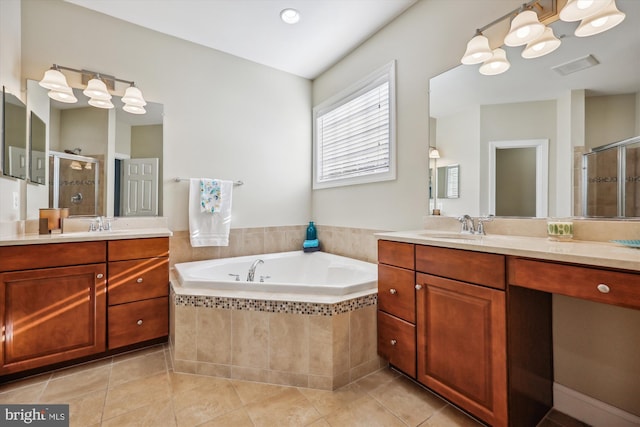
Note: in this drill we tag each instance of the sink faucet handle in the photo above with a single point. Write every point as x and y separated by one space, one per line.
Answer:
481 221
467 224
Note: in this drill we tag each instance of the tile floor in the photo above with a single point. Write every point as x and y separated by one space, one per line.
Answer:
141 389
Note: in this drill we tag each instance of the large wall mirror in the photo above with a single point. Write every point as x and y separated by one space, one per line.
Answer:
14 136
576 112
37 149
105 162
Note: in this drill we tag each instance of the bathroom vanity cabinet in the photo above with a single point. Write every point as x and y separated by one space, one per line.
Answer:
482 322
138 290
52 303
65 301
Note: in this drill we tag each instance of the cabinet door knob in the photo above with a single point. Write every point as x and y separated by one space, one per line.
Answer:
100 276
603 288
139 322
418 287
139 280
393 291
394 342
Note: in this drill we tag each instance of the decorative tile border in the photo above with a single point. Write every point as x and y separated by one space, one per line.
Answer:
269 306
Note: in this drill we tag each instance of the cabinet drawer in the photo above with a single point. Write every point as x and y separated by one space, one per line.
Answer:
138 321
119 250
29 257
396 292
473 267
137 280
606 286
396 253
397 342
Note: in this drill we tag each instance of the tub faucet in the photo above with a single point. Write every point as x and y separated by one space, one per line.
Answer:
252 269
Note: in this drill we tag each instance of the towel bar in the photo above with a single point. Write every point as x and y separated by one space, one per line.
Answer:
178 179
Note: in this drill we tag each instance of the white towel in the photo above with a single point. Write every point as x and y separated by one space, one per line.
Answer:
206 228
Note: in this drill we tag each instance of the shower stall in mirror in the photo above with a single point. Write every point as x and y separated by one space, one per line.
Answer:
74 183
611 174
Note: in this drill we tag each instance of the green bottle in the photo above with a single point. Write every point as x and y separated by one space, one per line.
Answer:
311 231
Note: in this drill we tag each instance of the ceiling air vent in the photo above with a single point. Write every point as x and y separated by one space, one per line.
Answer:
576 65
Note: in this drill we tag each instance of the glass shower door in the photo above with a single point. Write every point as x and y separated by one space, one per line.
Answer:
74 183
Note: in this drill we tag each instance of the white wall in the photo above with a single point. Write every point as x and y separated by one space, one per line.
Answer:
224 117
429 38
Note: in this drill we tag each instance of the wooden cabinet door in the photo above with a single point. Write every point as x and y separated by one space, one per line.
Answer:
461 336
51 315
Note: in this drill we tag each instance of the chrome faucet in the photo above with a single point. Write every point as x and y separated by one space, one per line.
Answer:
467 224
252 269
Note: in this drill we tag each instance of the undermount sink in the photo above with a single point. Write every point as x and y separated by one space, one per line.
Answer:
452 235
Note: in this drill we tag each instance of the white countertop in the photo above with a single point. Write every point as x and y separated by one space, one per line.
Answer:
602 254
85 236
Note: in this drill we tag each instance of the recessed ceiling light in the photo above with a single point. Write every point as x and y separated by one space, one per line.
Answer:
290 16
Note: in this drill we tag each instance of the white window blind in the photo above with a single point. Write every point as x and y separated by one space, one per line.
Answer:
354 135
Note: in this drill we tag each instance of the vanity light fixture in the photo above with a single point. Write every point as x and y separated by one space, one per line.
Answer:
290 16
601 21
97 89
526 29
497 64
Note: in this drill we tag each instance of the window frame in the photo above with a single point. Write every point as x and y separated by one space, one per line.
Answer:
383 74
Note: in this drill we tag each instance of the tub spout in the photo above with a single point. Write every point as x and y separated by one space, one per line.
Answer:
252 269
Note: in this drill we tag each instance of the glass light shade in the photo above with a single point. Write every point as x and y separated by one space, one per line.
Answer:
290 16
54 80
434 154
101 103
133 96
88 166
497 64
601 21
524 28
63 95
478 50
575 10
75 165
541 46
134 109
96 89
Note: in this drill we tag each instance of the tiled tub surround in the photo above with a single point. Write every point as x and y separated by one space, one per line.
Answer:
305 344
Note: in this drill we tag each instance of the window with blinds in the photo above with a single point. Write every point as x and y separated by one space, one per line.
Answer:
354 133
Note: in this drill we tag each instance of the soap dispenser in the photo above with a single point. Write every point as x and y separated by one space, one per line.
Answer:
311 231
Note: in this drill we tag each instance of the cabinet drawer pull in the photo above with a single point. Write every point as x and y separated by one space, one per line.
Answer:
418 287
100 276
603 288
139 280
393 291
393 342
139 322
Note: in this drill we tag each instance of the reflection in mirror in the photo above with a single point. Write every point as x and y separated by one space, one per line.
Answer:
37 149
74 183
127 149
448 182
575 111
14 136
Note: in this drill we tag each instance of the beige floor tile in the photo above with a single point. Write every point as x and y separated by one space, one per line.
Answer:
327 402
158 414
287 408
30 393
408 401
81 368
139 353
26 382
61 390
450 417
134 368
210 398
320 423
86 410
136 394
377 379
237 418
365 412
251 392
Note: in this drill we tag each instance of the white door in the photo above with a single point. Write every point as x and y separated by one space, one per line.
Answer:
140 187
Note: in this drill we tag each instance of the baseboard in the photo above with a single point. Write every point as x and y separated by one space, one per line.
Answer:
589 410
